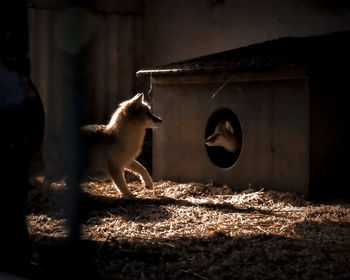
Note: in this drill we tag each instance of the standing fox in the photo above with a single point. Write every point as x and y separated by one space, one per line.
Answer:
117 144
224 136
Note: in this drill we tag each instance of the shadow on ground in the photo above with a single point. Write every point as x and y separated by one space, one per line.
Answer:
214 257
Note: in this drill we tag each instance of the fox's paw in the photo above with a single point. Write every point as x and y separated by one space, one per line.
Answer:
128 195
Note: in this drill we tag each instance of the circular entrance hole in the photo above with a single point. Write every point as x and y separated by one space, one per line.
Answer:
223 136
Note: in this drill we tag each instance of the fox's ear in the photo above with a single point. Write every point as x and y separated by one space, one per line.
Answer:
137 100
139 97
229 127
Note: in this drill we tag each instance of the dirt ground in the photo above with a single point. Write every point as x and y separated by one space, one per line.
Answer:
188 231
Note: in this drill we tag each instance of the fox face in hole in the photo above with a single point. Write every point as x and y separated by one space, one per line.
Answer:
224 136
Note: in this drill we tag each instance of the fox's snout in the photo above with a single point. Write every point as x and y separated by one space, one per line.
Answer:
154 121
211 140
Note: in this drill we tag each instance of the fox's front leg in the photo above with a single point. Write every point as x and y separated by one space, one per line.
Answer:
118 178
138 168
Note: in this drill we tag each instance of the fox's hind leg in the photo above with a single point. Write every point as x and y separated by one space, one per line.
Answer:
138 168
117 176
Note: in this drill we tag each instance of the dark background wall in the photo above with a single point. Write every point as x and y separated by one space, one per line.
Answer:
114 39
121 37
178 30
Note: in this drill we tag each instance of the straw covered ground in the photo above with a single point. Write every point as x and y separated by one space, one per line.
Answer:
190 231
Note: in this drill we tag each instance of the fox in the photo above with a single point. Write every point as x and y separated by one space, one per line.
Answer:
117 144
224 136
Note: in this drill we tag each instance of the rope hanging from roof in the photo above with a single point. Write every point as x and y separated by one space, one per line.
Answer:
222 86
150 89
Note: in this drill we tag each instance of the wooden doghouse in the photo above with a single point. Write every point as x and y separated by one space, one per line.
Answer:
287 98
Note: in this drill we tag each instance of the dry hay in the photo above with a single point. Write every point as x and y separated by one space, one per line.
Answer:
193 231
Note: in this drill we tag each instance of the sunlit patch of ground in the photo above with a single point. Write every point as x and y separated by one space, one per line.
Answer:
189 231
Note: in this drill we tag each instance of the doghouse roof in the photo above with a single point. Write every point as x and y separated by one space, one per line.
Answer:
317 51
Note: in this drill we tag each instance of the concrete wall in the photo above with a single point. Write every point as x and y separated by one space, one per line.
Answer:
178 30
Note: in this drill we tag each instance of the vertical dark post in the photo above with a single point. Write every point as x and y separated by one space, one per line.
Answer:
72 156
21 126
72 30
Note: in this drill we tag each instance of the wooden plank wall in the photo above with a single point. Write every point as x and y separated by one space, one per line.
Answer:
108 45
